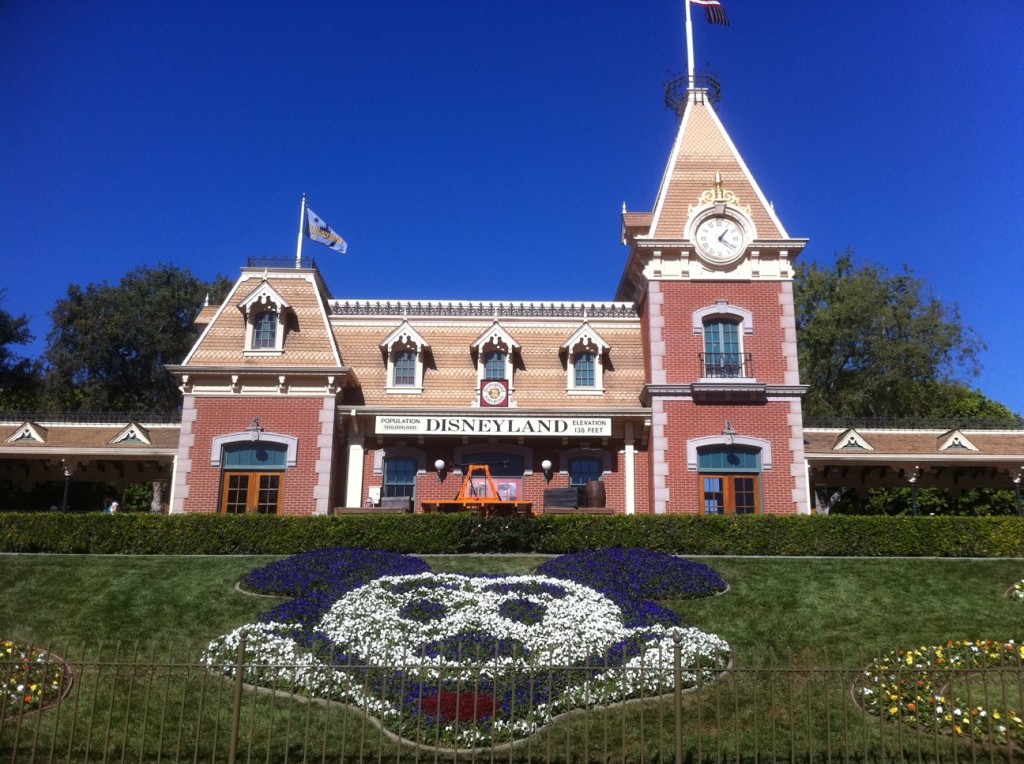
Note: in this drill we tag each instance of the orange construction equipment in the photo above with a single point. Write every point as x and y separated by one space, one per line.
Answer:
479 493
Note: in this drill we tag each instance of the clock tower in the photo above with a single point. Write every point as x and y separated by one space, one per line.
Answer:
711 270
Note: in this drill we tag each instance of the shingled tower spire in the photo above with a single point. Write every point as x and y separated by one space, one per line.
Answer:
711 269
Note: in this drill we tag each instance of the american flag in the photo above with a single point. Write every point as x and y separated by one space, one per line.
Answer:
714 11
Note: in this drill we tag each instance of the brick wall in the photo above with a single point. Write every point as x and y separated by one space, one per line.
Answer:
298 417
768 421
766 344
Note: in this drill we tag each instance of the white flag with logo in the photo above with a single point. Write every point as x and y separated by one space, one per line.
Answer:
318 230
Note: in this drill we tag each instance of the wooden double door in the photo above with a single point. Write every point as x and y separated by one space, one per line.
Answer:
730 494
258 492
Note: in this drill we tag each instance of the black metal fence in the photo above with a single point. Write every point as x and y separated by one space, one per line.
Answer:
120 704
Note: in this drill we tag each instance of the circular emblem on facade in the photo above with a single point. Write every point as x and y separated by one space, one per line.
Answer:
494 393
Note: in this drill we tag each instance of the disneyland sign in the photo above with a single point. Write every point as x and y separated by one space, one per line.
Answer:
494 425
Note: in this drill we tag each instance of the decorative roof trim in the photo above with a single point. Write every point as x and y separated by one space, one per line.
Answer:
28 431
851 440
495 335
955 440
586 336
405 334
264 294
134 432
475 309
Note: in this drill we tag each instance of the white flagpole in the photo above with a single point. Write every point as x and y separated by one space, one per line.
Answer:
689 48
302 228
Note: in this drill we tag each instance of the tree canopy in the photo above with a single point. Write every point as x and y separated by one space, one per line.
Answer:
109 344
878 344
19 375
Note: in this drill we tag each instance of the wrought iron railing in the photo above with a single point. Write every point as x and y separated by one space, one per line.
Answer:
914 423
91 417
727 365
118 703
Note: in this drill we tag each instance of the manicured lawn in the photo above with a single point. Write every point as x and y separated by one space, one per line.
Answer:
807 613
793 607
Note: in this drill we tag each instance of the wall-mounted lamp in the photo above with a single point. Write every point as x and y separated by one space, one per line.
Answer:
546 466
254 429
442 473
729 432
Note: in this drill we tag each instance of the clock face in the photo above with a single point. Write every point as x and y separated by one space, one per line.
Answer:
720 239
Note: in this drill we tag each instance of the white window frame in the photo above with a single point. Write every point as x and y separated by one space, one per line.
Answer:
264 299
585 339
405 337
495 338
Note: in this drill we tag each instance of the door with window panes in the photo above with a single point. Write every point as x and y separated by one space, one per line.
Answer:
252 478
730 480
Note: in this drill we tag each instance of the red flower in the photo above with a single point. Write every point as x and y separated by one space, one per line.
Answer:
463 706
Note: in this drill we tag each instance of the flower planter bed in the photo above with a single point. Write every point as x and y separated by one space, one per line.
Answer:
463 661
914 687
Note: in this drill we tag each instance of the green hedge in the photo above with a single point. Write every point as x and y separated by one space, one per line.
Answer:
871 536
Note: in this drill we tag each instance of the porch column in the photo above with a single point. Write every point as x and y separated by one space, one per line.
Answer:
630 467
354 475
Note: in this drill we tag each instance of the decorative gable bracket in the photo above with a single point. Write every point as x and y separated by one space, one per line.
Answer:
851 440
955 440
133 433
28 431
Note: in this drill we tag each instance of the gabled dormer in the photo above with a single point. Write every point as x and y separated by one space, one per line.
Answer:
28 431
404 350
133 433
495 351
266 314
851 440
955 440
585 359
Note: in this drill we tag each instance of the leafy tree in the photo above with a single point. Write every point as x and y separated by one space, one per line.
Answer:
957 401
877 344
109 344
19 376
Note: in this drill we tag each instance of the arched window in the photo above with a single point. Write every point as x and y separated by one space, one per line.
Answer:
722 350
730 478
253 474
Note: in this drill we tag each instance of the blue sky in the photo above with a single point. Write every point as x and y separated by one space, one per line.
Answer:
484 149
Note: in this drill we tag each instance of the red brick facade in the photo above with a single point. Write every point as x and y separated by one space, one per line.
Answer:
655 412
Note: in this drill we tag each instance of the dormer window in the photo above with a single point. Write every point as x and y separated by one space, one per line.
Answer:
495 363
495 350
584 366
404 351
264 333
265 311
585 351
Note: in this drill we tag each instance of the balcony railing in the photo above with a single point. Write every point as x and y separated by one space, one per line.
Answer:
727 365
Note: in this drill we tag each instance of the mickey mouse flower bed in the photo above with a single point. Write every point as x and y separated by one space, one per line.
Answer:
932 687
459 661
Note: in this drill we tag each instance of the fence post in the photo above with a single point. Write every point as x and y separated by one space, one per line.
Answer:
677 676
236 706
